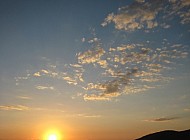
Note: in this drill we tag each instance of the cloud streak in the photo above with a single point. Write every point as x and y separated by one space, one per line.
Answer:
45 87
14 107
163 119
24 97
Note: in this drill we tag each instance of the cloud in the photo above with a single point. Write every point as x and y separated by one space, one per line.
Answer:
83 115
101 97
83 39
103 63
26 108
144 15
45 87
92 116
118 70
76 65
45 71
91 56
140 1
74 75
137 89
184 15
87 116
187 109
112 87
135 16
18 79
105 72
104 91
24 97
15 107
163 119
70 80
147 66
94 97
37 74
93 40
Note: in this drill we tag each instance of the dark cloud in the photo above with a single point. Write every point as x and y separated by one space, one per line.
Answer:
163 119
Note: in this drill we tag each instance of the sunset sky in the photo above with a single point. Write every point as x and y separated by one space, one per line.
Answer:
93 69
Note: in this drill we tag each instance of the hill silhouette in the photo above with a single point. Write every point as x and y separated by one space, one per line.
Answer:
168 135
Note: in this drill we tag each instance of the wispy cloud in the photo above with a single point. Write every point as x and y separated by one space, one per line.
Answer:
83 115
24 97
45 87
14 107
187 109
163 119
87 116
28 108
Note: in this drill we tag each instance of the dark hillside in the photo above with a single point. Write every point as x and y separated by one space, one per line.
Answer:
168 135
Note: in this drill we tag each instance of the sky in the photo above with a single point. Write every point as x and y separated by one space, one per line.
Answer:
93 70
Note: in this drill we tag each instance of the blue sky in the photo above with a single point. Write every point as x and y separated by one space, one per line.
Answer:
110 66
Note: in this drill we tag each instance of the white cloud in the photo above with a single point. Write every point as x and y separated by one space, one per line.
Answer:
83 39
45 71
45 87
37 74
93 40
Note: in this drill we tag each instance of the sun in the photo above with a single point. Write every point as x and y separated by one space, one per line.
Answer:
52 137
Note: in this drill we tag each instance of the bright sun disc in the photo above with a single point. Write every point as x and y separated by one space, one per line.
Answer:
52 137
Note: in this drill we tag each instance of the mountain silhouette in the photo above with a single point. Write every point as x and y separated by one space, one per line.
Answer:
168 135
